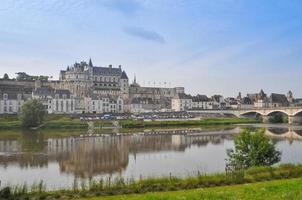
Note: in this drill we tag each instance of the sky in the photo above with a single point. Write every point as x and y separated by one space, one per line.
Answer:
207 46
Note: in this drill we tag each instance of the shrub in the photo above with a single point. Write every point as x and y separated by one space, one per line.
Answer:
32 113
253 149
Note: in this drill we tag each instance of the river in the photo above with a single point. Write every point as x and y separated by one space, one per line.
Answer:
59 161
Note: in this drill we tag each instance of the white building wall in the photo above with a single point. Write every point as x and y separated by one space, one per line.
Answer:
10 106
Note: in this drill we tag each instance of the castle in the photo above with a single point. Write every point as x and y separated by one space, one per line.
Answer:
89 89
83 79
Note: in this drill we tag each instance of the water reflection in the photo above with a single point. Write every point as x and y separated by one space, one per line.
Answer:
88 157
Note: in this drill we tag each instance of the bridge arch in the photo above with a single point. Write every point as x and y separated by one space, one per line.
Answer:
251 112
298 113
277 111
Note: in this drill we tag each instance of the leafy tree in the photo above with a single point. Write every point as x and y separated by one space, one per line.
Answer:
6 77
32 113
253 149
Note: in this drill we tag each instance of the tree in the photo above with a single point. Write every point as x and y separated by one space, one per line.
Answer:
6 77
32 113
253 149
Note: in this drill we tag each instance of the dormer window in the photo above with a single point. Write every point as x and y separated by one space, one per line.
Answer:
5 96
57 96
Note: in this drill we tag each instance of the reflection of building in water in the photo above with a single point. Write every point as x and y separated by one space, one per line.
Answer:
153 143
9 146
11 153
87 157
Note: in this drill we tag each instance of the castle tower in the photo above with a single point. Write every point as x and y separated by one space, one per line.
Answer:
90 63
239 97
290 96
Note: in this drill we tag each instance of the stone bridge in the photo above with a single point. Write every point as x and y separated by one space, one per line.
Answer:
294 113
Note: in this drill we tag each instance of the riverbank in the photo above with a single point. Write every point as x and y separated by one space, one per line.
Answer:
67 122
51 122
120 186
277 190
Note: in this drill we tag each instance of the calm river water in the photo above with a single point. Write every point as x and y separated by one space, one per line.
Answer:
31 157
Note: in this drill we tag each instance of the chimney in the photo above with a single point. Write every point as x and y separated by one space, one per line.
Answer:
110 66
120 66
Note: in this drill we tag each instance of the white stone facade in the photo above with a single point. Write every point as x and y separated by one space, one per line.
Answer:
11 103
56 101
107 104
187 102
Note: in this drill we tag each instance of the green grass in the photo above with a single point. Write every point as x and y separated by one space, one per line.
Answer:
112 188
68 122
51 122
279 189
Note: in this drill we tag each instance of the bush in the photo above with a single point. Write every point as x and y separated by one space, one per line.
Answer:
32 113
253 149
5 193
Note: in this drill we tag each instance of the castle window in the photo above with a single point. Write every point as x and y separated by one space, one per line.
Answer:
71 105
62 105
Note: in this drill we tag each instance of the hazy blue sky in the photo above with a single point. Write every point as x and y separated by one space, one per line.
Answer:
208 46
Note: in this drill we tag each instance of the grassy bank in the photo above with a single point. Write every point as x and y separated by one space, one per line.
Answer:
68 122
279 189
51 122
120 186
185 123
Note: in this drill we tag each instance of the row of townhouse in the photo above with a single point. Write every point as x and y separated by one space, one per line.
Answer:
60 101
184 102
262 100
55 101
104 104
144 105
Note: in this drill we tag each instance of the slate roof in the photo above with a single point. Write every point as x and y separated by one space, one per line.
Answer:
278 98
139 100
247 101
47 91
11 95
184 96
107 71
61 92
124 75
200 98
